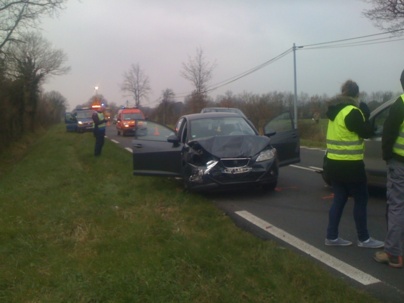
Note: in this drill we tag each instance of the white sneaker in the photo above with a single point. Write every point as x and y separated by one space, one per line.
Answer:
371 243
337 242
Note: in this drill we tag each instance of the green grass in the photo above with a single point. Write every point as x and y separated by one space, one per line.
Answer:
74 228
313 134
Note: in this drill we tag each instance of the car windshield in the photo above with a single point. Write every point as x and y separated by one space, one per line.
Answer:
220 126
133 116
84 114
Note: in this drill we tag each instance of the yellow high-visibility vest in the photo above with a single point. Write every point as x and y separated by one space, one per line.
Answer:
100 118
343 144
398 147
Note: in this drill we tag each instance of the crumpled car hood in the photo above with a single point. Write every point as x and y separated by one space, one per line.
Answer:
232 146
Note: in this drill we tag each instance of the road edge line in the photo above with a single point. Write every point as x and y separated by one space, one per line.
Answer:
321 256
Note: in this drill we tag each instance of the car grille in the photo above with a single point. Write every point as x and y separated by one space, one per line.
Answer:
234 162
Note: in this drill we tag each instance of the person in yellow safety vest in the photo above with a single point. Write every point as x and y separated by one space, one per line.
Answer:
99 129
393 154
347 126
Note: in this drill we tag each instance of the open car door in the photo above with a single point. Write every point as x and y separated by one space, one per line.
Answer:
286 139
156 152
71 122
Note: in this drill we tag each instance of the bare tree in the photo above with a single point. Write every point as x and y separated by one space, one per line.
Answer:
31 63
386 14
51 107
17 15
168 96
136 83
198 71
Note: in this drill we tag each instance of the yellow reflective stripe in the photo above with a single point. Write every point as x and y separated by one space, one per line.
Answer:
344 143
345 151
398 146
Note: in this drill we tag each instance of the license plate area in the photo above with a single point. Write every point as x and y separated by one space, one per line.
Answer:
236 170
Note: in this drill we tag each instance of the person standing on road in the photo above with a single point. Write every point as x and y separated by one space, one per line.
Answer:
393 154
347 126
99 129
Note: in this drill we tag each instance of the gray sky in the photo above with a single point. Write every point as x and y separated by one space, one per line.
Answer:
102 38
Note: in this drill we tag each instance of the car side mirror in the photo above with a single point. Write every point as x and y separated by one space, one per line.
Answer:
270 133
173 139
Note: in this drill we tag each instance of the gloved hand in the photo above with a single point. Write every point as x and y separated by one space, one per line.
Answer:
365 109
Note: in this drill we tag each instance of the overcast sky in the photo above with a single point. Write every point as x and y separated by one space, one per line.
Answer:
102 38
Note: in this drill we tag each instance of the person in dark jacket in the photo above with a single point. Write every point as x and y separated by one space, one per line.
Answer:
393 154
99 129
348 125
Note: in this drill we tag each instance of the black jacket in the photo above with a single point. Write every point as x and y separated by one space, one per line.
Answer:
391 129
349 170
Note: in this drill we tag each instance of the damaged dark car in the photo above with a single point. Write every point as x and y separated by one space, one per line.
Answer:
216 151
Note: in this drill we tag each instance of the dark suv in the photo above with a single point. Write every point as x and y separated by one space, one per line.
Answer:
80 121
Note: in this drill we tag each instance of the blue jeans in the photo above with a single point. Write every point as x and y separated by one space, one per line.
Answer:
99 134
359 192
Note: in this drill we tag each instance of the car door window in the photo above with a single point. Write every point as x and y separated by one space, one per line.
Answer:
283 122
69 118
152 131
285 138
378 122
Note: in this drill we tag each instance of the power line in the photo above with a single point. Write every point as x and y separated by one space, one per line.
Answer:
355 38
353 44
322 45
242 75
309 47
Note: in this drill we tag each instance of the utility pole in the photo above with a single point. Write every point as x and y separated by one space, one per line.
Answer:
294 74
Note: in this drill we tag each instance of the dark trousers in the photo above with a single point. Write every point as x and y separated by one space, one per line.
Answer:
359 193
394 242
99 134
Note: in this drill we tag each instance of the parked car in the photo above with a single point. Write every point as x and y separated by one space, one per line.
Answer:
127 119
79 120
223 109
216 151
375 166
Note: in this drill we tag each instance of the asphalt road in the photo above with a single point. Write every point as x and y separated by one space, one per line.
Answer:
295 216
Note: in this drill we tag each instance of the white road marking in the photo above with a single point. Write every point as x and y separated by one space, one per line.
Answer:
303 167
313 148
317 169
321 256
129 149
113 140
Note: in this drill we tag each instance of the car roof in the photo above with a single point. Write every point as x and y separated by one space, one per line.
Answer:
222 109
211 115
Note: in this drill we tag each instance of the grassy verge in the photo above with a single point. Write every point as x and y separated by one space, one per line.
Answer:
74 228
313 134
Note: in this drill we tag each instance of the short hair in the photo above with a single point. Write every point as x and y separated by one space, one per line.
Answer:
350 89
